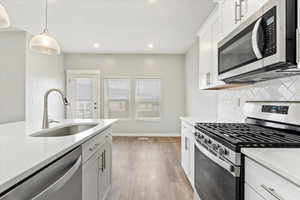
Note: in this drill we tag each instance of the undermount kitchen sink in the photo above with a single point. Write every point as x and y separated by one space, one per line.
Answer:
64 131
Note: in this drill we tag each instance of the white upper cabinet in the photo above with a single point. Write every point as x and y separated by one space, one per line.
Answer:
235 12
251 6
229 15
205 58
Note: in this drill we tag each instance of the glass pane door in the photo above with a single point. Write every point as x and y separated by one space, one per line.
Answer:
84 97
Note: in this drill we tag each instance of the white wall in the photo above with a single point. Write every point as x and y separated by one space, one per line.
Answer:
169 67
199 103
43 73
12 79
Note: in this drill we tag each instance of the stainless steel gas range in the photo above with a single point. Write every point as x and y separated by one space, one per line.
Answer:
219 164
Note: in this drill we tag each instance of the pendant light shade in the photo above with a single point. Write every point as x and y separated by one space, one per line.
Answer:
4 19
45 44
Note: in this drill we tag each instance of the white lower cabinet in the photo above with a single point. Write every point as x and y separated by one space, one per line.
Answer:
89 179
105 169
187 151
97 167
267 184
250 194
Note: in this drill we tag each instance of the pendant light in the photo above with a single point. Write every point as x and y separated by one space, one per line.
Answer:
44 43
4 19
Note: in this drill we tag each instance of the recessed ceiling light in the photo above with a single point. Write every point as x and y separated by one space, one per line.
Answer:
151 46
152 1
96 45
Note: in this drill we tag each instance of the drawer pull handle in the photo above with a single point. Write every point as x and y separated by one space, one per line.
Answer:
272 192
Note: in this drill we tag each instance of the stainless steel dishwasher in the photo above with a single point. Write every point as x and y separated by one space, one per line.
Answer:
61 180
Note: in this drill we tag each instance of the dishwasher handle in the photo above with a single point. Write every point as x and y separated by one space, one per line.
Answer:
57 185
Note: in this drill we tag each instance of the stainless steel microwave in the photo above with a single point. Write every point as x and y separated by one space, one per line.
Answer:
263 47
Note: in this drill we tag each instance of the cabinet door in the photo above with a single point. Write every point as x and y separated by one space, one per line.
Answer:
185 163
249 7
90 178
216 37
192 159
230 14
105 168
108 165
205 58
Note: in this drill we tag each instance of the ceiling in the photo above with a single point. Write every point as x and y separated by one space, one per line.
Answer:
118 26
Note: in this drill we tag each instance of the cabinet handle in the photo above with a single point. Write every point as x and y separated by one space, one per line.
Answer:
272 192
104 159
241 9
297 46
208 79
235 14
186 143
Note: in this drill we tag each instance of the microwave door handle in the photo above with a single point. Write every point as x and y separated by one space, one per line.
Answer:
255 36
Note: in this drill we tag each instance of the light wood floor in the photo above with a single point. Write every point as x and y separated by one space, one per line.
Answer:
148 170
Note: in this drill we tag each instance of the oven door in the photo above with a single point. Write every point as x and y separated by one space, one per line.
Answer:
215 179
243 50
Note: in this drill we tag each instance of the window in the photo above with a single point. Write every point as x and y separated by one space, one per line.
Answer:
147 99
117 98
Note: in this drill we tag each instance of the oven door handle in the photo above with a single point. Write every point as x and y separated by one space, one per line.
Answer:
233 170
255 36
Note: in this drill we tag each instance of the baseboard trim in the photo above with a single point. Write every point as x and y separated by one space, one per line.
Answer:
147 134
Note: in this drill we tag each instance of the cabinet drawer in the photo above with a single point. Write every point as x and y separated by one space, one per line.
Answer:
269 184
250 194
91 146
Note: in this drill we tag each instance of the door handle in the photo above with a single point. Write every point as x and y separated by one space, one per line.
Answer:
59 183
255 46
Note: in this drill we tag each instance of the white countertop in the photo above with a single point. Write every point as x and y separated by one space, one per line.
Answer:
194 120
21 155
284 162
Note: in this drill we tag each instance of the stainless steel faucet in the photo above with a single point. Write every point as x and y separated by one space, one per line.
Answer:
45 116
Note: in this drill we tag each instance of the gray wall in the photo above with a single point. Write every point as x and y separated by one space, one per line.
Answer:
25 77
12 76
169 67
199 103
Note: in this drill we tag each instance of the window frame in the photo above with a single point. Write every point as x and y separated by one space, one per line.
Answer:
157 119
105 109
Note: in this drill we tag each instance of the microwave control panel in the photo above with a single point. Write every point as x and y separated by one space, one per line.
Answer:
270 28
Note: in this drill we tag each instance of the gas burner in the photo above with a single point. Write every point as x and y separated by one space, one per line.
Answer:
248 135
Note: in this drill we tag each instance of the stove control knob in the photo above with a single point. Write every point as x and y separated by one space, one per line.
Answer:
206 141
209 141
200 136
215 147
223 152
232 169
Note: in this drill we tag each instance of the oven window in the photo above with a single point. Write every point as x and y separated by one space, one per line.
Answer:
212 182
238 51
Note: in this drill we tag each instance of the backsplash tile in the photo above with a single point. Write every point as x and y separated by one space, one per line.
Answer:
231 101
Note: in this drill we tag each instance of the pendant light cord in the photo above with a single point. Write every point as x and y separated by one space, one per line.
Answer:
46 19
